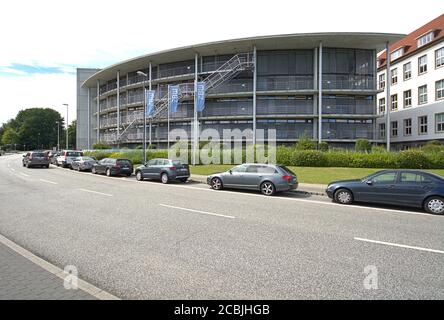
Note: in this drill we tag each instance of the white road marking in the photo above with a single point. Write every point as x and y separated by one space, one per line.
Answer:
24 174
96 192
47 181
400 245
198 211
13 169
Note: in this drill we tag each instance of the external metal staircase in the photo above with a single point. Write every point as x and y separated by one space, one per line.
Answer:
238 63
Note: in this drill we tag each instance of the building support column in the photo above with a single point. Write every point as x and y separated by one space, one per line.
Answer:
195 126
315 87
254 93
88 122
118 109
388 102
150 88
98 110
320 93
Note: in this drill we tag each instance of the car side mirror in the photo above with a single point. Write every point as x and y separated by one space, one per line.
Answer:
24 155
369 182
231 172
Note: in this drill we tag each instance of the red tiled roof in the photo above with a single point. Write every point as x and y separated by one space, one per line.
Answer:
410 42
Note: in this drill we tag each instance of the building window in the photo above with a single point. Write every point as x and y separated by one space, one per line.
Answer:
407 99
439 87
426 39
422 125
394 99
397 54
382 130
407 71
422 95
394 127
422 64
382 105
382 81
407 127
439 120
439 57
394 76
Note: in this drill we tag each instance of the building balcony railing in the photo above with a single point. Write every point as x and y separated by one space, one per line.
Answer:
346 82
366 109
291 83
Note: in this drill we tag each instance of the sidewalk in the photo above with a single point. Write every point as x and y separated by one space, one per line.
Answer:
314 189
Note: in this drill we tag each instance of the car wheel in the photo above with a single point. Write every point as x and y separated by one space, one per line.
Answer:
164 178
129 174
343 196
434 205
47 166
268 188
108 172
23 164
28 166
216 184
139 176
78 169
183 180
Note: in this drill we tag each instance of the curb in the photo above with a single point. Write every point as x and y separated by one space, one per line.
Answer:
81 284
203 179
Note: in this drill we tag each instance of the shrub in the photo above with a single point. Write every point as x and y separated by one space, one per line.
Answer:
379 149
363 145
100 146
99 155
305 144
413 159
308 158
433 147
323 146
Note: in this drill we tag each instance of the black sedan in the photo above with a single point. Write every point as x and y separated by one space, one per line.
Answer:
113 167
394 187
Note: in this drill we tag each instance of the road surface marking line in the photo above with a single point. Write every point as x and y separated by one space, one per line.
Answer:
24 174
47 181
399 245
96 192
198 211
13 169
82 285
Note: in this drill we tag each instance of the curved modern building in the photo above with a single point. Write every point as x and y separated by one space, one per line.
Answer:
321 86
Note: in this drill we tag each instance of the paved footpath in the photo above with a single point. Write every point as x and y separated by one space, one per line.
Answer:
21 279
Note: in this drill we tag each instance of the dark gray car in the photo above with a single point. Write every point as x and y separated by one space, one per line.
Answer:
269 179
35 159
83 163
410 188
164 170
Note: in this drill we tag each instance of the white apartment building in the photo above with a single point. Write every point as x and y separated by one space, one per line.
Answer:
416 81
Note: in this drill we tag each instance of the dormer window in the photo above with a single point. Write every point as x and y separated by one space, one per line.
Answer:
397 54
426 38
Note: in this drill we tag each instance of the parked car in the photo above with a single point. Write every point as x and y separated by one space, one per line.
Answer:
269 179
67 156
113 167
164 170
83 163
35 159
53 157
411 188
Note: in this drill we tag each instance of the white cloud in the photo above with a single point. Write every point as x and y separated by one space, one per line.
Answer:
84 33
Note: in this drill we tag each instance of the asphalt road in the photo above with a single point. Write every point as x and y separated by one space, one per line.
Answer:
185 241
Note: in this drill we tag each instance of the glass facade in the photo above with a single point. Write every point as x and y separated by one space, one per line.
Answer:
286 96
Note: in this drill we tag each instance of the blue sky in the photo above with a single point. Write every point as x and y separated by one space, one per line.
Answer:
41 50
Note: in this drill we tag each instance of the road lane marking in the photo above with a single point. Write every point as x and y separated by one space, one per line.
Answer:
81 284
96 192
47 181
399 245
13 169
198 211
24 174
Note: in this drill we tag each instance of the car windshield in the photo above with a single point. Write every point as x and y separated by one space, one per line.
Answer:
73 154
88 159
38 154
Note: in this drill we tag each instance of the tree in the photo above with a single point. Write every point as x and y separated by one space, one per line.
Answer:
10 136
72 131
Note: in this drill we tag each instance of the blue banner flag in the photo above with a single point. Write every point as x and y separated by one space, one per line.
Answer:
173 93
200 96
149 98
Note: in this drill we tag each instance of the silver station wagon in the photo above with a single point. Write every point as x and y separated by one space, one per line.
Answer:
267 178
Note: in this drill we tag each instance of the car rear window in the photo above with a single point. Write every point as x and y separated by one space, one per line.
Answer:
38 154
177 163
287 170
123 162
74 154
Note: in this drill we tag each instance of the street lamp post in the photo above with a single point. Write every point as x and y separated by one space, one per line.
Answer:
67 124
144 114
58 135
